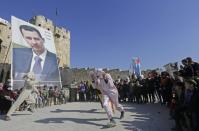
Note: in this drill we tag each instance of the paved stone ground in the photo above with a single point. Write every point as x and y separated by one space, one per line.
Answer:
88 116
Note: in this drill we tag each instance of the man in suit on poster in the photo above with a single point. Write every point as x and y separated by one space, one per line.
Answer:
36 59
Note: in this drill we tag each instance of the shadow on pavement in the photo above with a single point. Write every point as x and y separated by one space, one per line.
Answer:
146 117
75 120
2 117
106 127
20 114
81 111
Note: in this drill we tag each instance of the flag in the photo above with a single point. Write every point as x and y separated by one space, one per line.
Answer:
136 67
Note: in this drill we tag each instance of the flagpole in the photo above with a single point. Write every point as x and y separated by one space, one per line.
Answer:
56 15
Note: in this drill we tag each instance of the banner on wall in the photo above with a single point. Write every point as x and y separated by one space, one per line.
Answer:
33 50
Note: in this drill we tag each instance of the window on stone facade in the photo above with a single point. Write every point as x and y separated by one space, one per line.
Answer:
39 24
57 35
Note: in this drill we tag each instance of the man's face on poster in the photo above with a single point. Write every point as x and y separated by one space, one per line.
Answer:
34 40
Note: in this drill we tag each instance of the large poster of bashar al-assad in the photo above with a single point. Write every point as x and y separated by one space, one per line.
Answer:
33 51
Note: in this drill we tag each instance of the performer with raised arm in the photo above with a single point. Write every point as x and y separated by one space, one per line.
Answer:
104 82
25 95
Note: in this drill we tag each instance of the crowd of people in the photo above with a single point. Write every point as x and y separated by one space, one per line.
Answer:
178 92
43 96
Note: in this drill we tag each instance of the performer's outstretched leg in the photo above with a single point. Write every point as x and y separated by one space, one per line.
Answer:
24 94
107 107
108 110
114 99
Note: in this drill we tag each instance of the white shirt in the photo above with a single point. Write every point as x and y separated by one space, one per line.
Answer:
105 88
42 56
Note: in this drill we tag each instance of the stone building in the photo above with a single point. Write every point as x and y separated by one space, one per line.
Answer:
5 41
76 75
5 47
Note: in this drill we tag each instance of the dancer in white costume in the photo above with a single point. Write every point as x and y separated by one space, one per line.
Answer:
104 82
